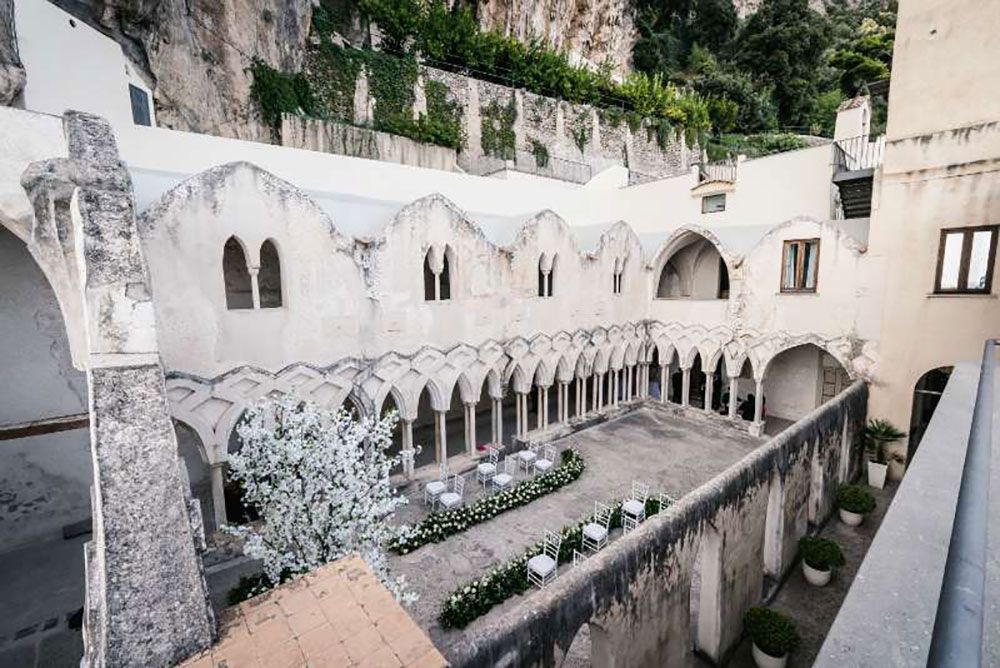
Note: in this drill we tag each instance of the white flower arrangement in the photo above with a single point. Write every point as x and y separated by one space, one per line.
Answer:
319 480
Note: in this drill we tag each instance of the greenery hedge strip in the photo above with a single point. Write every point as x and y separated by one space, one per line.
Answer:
511 578
437 526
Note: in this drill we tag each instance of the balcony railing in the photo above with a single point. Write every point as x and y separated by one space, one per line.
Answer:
858 153
717 171
527 163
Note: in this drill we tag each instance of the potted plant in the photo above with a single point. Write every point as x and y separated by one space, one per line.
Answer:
819 557
853 503
773 634
878 434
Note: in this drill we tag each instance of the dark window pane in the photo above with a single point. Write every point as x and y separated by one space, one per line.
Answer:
140 105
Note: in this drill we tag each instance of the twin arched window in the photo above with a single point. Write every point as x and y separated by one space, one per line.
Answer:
616 287
251 287
437 274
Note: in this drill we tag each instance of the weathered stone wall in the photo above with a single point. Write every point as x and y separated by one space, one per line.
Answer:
342 139
635 593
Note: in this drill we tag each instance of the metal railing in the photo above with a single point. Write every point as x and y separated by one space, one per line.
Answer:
525 162
857 153
717 171
957 639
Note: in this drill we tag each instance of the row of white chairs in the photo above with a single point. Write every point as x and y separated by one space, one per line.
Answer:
448 490
544 567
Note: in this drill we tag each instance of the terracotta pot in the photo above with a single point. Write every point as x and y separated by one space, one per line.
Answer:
896 470
765 660
876 474
849 518
814 576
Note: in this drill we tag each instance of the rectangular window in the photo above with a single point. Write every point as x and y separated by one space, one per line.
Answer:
713 203
799 265
965 260
140 105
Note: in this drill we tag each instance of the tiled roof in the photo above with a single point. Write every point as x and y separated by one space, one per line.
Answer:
339 615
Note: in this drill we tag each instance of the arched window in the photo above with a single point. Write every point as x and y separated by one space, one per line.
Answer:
543 276
926 395
552 275
694 269
430 291
269 276
437 278
619 273
236 275
446 268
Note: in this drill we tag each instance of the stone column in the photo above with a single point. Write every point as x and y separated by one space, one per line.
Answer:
470 428
494 417
758 408
254 286
146 599
580 389
709 388
219 495
733 389
613 399
594 401
627 390
517 414
441 435
686 387
561 399
664 387
600 390
541 396
407 447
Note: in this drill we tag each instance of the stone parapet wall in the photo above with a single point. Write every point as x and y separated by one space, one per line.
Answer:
727 535
343 139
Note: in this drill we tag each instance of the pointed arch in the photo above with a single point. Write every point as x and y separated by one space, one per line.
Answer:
236 275
269 275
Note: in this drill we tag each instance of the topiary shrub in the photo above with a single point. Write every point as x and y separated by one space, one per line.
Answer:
773 633
855 499
822 554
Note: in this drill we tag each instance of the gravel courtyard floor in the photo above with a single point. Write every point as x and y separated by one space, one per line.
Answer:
671 451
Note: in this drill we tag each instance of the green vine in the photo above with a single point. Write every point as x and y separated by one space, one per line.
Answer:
541 153
497 125
613 117
443 122
277 93
581 128
660 129
390 82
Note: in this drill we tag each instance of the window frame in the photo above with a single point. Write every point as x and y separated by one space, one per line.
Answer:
964 259
143 116
705 198
799 267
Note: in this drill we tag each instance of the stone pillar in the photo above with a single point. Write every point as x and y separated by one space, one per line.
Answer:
562 398
495 410
686 387
733 390
541 395
613 378
217 473
664 387
758 407
594 397
517 414
146 598
407 444
709 388
441 435
254 285
600 390
470 428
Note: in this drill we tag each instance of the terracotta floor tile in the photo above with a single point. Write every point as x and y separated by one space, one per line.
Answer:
334 657
382 658
363 643
284 655
270 633
318 640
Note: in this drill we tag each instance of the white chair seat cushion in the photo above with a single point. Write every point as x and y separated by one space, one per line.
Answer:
449 499
595 532
526 456
543 465
435 487
633 507
502 479
542 564
486 468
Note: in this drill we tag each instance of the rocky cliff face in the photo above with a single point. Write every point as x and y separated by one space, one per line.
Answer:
594 31
195 54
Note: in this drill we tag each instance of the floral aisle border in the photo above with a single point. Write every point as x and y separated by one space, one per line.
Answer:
437 526
502 582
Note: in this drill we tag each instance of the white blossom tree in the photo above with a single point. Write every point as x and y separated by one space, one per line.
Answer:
319 481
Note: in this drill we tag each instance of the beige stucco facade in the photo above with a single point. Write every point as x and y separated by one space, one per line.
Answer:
941 170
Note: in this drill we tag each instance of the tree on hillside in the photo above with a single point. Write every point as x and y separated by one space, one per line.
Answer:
783 45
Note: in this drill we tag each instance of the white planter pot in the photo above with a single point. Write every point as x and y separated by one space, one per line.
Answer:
876 474
765 660
814 576
849 518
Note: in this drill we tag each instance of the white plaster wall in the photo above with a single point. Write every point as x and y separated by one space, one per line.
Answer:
24 138
72 66
793 383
